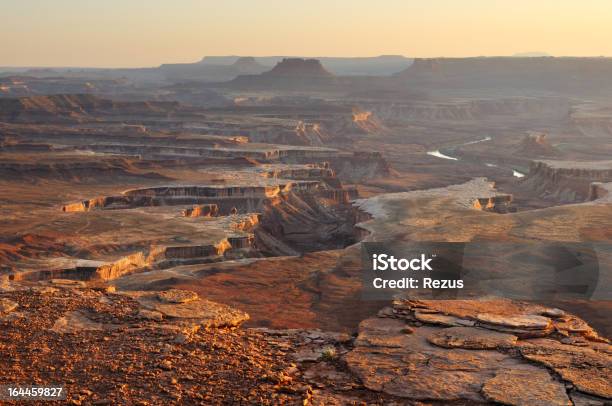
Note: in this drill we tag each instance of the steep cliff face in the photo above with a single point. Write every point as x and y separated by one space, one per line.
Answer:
567 182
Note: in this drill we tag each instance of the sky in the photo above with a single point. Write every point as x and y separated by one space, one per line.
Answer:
143 33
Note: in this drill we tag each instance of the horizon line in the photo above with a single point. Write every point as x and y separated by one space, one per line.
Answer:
518 55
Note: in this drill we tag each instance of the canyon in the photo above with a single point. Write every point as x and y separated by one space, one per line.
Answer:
205 223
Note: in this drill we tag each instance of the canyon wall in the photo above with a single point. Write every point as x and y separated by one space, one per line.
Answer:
569 184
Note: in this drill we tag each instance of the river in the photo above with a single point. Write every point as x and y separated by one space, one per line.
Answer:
439 154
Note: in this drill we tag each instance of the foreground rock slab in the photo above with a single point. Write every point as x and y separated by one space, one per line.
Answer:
480 352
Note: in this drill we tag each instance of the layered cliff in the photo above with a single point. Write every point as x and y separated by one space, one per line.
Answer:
567 181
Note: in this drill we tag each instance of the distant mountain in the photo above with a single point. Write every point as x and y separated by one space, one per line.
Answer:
383 65
248 64
299 67
561 75
212 73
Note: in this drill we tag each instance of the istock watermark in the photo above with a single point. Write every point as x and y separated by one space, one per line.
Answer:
460 270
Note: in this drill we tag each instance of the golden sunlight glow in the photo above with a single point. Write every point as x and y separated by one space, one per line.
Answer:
148 33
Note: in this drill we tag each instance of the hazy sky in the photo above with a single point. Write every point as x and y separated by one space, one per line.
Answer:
151 32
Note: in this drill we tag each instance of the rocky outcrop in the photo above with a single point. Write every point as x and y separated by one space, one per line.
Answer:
204 210
187 308
496 204
479 351
535 144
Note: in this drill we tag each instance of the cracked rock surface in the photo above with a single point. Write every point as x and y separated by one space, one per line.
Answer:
454 351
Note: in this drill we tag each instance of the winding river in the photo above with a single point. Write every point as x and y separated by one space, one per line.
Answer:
439 154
